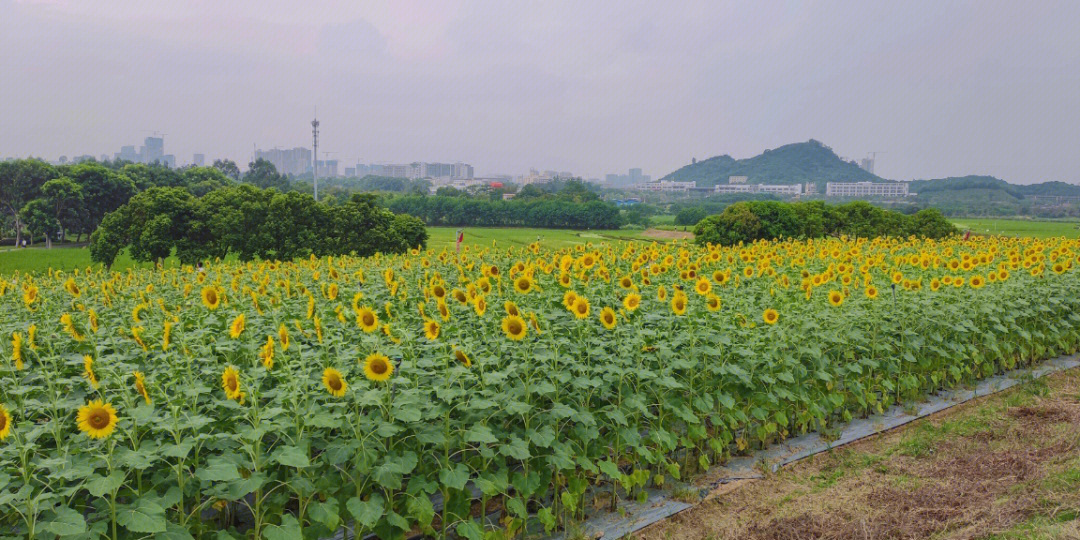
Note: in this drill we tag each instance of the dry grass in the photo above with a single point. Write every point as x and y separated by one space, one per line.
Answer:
1007 465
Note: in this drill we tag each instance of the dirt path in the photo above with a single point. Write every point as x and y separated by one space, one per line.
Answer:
663 234
1007 466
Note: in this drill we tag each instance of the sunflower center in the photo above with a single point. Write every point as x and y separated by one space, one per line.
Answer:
369 319
99 419
515 327
233 384
378 366
335 382
3 421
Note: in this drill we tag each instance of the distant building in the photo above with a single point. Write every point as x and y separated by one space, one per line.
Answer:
418 169
327 168
153 150
633 178
737 179
128 153
290 162
667 186
810 188
198 160
866 189
793 190
867 164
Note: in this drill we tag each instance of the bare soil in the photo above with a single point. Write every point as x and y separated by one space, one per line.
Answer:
1005 466
662 234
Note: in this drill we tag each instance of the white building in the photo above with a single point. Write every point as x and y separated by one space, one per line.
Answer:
737 179
866 189
667 186
776 189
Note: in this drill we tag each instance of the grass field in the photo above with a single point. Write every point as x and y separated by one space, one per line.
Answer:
1020 227
67 257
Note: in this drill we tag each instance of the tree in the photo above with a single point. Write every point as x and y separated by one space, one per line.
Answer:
690 215
103 190
262 174
20 183
202 180
228 167
64 197
38 217
152 223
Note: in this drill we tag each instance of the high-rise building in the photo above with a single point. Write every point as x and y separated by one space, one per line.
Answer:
292 162
198 160
153 150
867 164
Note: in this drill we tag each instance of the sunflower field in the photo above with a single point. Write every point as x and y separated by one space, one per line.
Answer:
481 394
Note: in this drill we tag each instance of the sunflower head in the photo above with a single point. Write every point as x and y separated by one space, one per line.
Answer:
334 382
523 284
237 326
678 304
871 292
367 319
97 419
514 327
632 302
712 302
230 382
607 318
836 298
377 367
462 358
431 329
211 297
770 316
581 307
5 422
568 299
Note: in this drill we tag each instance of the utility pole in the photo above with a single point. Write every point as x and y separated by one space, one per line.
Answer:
315 154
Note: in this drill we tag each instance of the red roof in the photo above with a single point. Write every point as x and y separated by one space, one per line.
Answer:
496 184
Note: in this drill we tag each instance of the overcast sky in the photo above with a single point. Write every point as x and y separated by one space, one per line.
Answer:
939 88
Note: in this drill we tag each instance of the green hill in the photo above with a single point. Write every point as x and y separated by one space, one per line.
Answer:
796 163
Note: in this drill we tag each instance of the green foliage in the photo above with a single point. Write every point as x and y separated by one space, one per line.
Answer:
250 223
747 222
554 213
690 215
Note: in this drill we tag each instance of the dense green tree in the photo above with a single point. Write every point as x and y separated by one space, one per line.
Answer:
39 218
65 198
690 215
228 167
103 190
262 174
20 183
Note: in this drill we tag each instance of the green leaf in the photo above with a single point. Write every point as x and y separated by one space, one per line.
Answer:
328 513
516 448
470 529
366 512
291 456
175 532
218 470
421 510
480 433
288 530
99 486
67 522
142 516
454 478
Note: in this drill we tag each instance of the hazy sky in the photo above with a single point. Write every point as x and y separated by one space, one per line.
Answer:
941 88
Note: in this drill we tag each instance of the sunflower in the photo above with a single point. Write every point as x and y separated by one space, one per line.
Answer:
626 282
703 287
607 318
69 327
166 335
1058 268
480 306
770 316
97 419
211 297
523 284
581 307
88 370
461 357
230 381
512 309
236 327
712 302
514 327
30 295
431 329
678 304
564 279
140 386
438 291
632 301
836 298
367 319
283 337
5 422
266 352
377 367
661 293
935 284
871 292
334 382
568 299
977 282
16 349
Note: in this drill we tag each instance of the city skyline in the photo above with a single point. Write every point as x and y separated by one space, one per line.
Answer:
935 89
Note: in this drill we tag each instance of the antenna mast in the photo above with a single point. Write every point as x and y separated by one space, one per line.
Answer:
315 154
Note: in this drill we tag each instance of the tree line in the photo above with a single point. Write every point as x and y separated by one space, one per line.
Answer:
551 213
766 220
250 222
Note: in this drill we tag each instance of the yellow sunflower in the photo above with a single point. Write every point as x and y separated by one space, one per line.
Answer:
836 298
480 306
88 370
211 297
377 367
977 282
5 422
770 316
97 419
283 337
632 302
334 382
871 292
581 307
236 327
678 304
512 309
431 329
523 284
514 327
266 352
703 287
140 386
16 349
661 293
367 319
607 318
461 357
568 299
712 302
230 381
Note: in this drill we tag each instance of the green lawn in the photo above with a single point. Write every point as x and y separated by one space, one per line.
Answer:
39 259
1019 227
